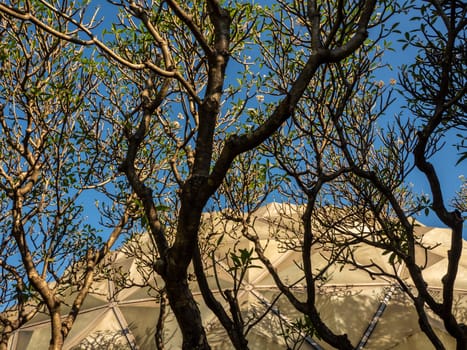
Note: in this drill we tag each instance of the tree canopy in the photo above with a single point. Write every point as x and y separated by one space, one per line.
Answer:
169 109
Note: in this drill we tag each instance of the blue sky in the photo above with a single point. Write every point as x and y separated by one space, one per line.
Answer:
444 161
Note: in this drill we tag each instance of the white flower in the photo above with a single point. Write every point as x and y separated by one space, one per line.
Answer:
260 98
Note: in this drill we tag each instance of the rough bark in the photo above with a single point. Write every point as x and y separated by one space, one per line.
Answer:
187 313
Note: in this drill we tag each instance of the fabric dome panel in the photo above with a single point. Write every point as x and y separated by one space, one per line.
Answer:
106 333
400 318
142 319
420 341
34 339
348 309
434 274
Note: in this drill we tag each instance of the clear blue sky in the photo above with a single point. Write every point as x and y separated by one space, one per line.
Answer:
444 162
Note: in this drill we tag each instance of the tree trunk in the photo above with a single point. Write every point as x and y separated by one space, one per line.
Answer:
56 339
173 270
187 313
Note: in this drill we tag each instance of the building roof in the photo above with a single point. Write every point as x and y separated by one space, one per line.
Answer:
370 309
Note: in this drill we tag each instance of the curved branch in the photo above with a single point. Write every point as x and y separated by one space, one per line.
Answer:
107 51
236 145
188 20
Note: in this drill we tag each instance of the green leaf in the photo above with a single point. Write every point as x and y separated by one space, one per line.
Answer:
162 207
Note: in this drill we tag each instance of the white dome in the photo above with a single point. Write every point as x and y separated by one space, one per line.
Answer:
372 311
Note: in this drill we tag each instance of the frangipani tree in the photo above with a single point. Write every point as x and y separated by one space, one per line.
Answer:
49 158
351 171
192 91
